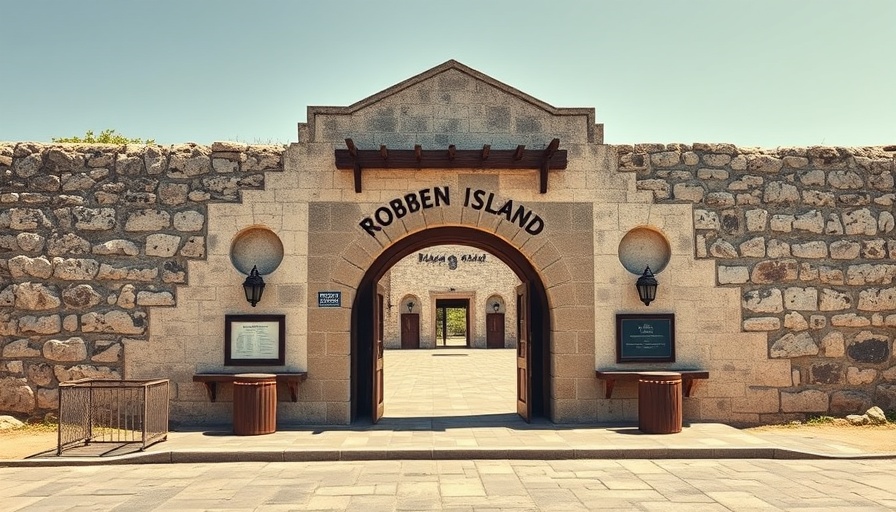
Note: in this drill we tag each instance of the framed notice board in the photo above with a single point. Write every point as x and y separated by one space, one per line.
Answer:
645 338
254 340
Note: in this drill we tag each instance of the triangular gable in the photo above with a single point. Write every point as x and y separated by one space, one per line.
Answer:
316 113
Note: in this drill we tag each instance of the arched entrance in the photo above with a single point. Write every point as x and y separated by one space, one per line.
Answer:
533 347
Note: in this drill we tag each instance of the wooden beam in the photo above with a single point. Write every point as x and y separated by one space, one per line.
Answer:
542 160
352 150
552 148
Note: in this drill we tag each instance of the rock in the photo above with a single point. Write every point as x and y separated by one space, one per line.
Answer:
858 376
756 220
40 374
194 247
776 271
812 221
826 373
30 242
111 354
81 296
794 345
875 299
845 180
23 266
148 220
857 419
94 219
733 275
36 296
859 222
173 194
833 345
688 192
68 243
16 395
8 422
705 219
763 301
48 399
777 192
75 269
869 348
127 298
83 371
764 163
849 402
189 221
753 248
722 249
124 273
50 324
801 299
116 247
764 323
19 349
114 321
833 300
146 298
162 245
876 416
70 350
845 250
188 160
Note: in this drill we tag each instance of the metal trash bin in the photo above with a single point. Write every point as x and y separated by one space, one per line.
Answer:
254 404
659 402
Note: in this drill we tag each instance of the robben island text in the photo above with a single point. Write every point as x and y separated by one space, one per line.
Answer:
476 199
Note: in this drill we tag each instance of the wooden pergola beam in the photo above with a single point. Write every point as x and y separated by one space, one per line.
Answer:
549 159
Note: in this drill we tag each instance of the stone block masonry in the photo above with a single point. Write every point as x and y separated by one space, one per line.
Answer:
92 236
808 235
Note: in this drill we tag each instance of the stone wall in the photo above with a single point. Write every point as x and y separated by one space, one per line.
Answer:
807 234
91 237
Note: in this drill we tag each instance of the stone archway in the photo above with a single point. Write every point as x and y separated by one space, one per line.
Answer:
537 377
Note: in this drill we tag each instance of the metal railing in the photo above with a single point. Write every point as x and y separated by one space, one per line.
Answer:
112 411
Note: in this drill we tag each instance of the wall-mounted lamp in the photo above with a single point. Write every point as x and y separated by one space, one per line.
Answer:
411 307
647 287
496 307
253 286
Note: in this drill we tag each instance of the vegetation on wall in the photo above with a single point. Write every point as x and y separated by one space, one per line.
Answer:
105 137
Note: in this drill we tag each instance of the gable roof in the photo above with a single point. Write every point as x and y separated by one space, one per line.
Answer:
433 72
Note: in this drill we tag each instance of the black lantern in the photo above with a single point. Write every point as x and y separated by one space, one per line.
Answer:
411 307
647 287
496 307
253 286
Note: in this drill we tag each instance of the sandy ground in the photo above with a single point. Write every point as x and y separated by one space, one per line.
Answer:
22 443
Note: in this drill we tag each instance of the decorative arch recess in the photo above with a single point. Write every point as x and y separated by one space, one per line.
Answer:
362 310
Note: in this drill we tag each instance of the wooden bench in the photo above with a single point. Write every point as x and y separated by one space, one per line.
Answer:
211 380
688 378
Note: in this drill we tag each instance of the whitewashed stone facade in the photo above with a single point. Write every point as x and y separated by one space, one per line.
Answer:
115 261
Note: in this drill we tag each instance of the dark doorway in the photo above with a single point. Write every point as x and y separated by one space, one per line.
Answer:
452 322
494 330
533 363
410 330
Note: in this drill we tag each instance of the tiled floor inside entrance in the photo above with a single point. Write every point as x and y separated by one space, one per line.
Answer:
450 383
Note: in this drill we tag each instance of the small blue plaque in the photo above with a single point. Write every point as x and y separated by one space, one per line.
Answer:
329 299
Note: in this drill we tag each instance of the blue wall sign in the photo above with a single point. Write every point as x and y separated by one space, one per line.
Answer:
329 299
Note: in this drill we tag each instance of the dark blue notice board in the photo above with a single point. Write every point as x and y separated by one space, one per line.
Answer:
645 338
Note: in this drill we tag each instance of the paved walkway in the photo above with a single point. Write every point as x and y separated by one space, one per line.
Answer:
457 404
457 485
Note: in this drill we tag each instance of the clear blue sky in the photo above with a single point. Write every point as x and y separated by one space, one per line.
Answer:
753 72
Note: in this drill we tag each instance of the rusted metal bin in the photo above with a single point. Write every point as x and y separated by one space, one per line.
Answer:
659 402
254 404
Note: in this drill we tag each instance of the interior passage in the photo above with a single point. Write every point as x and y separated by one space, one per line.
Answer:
449 382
